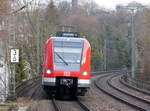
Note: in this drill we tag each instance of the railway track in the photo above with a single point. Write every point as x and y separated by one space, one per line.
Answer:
116 83
23 88
122 81
69 106
104 83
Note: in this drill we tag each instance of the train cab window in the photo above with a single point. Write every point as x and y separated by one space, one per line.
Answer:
70 55
67 58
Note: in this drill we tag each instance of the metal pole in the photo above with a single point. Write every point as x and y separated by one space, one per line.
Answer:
13 65
132 43
134 50
105 56
13 32
13 84
38 46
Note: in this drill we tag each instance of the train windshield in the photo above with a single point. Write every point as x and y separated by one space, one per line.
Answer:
67 58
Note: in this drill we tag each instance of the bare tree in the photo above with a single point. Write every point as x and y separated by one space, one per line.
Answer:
4 15
144 44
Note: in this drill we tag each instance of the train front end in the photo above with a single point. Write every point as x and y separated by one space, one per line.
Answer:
66 66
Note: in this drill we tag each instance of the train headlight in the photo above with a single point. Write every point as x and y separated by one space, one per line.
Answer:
48 71
85 73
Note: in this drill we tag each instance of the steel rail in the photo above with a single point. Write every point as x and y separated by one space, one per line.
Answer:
133 87
36 90
124 92
57 108
105 72
83 106
109 92
55 104
32 79
26 85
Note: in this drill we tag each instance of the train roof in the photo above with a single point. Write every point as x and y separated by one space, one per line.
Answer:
71 39
67 36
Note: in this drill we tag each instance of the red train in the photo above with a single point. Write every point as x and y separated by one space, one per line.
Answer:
66 66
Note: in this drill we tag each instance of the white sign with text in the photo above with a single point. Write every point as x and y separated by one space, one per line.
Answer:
14 55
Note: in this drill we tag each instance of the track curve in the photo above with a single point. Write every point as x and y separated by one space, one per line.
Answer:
116 83
103 83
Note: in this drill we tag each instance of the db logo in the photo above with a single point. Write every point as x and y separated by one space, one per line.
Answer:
66 73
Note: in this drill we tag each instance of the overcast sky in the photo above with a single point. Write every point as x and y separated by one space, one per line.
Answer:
111 4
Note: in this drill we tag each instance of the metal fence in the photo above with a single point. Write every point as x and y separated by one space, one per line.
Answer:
144 85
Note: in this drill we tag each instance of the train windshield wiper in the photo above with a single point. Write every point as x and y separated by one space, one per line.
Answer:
61 58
